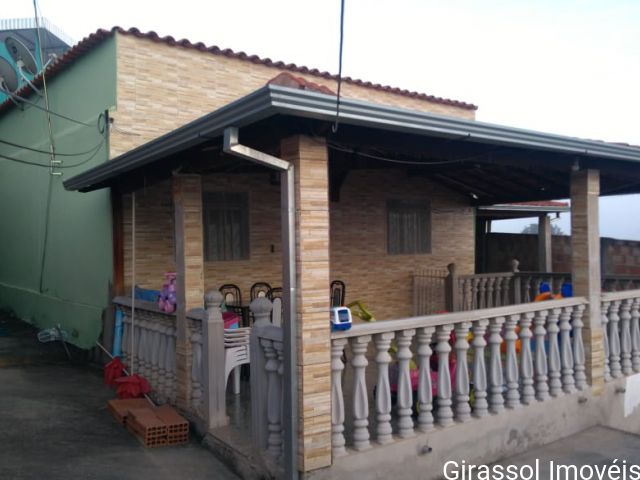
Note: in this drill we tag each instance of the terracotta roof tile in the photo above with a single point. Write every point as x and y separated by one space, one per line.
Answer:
286 79
88 43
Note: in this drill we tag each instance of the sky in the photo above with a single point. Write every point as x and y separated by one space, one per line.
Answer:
570 67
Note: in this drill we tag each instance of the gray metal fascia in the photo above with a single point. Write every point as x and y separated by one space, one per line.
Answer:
356 112
241 112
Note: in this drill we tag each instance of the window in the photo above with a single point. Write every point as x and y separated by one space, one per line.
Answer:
226 226
408 227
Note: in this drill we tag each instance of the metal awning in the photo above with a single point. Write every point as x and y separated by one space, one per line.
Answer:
273 100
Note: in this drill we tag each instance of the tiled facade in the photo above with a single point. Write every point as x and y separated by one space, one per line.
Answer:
160 88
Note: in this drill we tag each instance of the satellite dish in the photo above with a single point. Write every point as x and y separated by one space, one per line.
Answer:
21 55
8 76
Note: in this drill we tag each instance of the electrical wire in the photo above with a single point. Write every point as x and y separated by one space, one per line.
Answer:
47 110
334 127
44 152
36 164
341 148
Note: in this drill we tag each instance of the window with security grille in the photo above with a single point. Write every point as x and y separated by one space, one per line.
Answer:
226 226
408 227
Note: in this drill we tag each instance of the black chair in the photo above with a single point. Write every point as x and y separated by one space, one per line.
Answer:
231 294
259 289
274 293
338 291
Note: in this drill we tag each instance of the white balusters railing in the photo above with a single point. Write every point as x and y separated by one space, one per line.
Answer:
153 354
621 333
484 361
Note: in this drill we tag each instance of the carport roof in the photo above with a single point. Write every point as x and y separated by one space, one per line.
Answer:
274 100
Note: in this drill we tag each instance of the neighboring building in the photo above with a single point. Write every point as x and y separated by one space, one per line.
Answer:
149 86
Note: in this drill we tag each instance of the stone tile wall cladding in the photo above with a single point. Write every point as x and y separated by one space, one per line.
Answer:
358 254
161 87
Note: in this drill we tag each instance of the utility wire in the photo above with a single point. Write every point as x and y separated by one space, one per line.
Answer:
334 127
46 152
46 109
93 152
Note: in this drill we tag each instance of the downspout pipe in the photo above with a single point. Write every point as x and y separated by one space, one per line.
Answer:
231 146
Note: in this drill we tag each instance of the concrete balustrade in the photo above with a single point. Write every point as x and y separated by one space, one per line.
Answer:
510 374
621 328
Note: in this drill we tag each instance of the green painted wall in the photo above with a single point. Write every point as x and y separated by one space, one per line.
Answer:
72 288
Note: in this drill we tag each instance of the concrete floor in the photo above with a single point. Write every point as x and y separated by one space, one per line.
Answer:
54 423
595 446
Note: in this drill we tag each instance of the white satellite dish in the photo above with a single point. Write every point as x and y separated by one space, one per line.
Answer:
21 55
8 77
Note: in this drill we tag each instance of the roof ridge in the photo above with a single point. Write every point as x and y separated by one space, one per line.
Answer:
90 41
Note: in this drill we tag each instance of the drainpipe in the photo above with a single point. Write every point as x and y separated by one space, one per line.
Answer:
290 387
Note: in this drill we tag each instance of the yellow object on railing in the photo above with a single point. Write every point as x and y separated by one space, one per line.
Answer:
358 310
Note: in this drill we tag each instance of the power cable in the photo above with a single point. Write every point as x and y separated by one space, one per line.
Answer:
44 152
334 127
93 152
47 110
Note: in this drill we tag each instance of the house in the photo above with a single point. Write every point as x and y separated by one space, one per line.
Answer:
263 187
142 86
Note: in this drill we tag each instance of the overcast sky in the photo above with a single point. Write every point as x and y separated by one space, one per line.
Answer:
565 66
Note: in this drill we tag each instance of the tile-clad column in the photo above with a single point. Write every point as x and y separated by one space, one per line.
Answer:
310 159
585 244
187 204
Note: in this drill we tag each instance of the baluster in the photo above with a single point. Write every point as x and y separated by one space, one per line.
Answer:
126 356
162 353
527 289
542 387
635 335
605 340
483 294
480 407
405 390
444 413
498 292
383 389
526 360
555 384
196 369
490 290
142 349
511 362
506 290
360 397
465 296
566 354
171 363
274 428
153 356
136 364
474 298
463 409
496 401
614 340
578 348
425 389
625 336
337 398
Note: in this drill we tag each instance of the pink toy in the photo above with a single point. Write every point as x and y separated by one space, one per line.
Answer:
167 300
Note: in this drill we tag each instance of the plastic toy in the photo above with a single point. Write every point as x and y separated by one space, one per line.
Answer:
358 309
167 300
341 318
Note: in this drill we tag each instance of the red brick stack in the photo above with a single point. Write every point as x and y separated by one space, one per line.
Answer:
153 426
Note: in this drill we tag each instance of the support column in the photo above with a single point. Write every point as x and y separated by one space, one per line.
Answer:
187 205
310 158
585 245
544 243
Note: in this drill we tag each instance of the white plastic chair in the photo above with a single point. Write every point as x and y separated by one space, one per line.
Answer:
236 349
